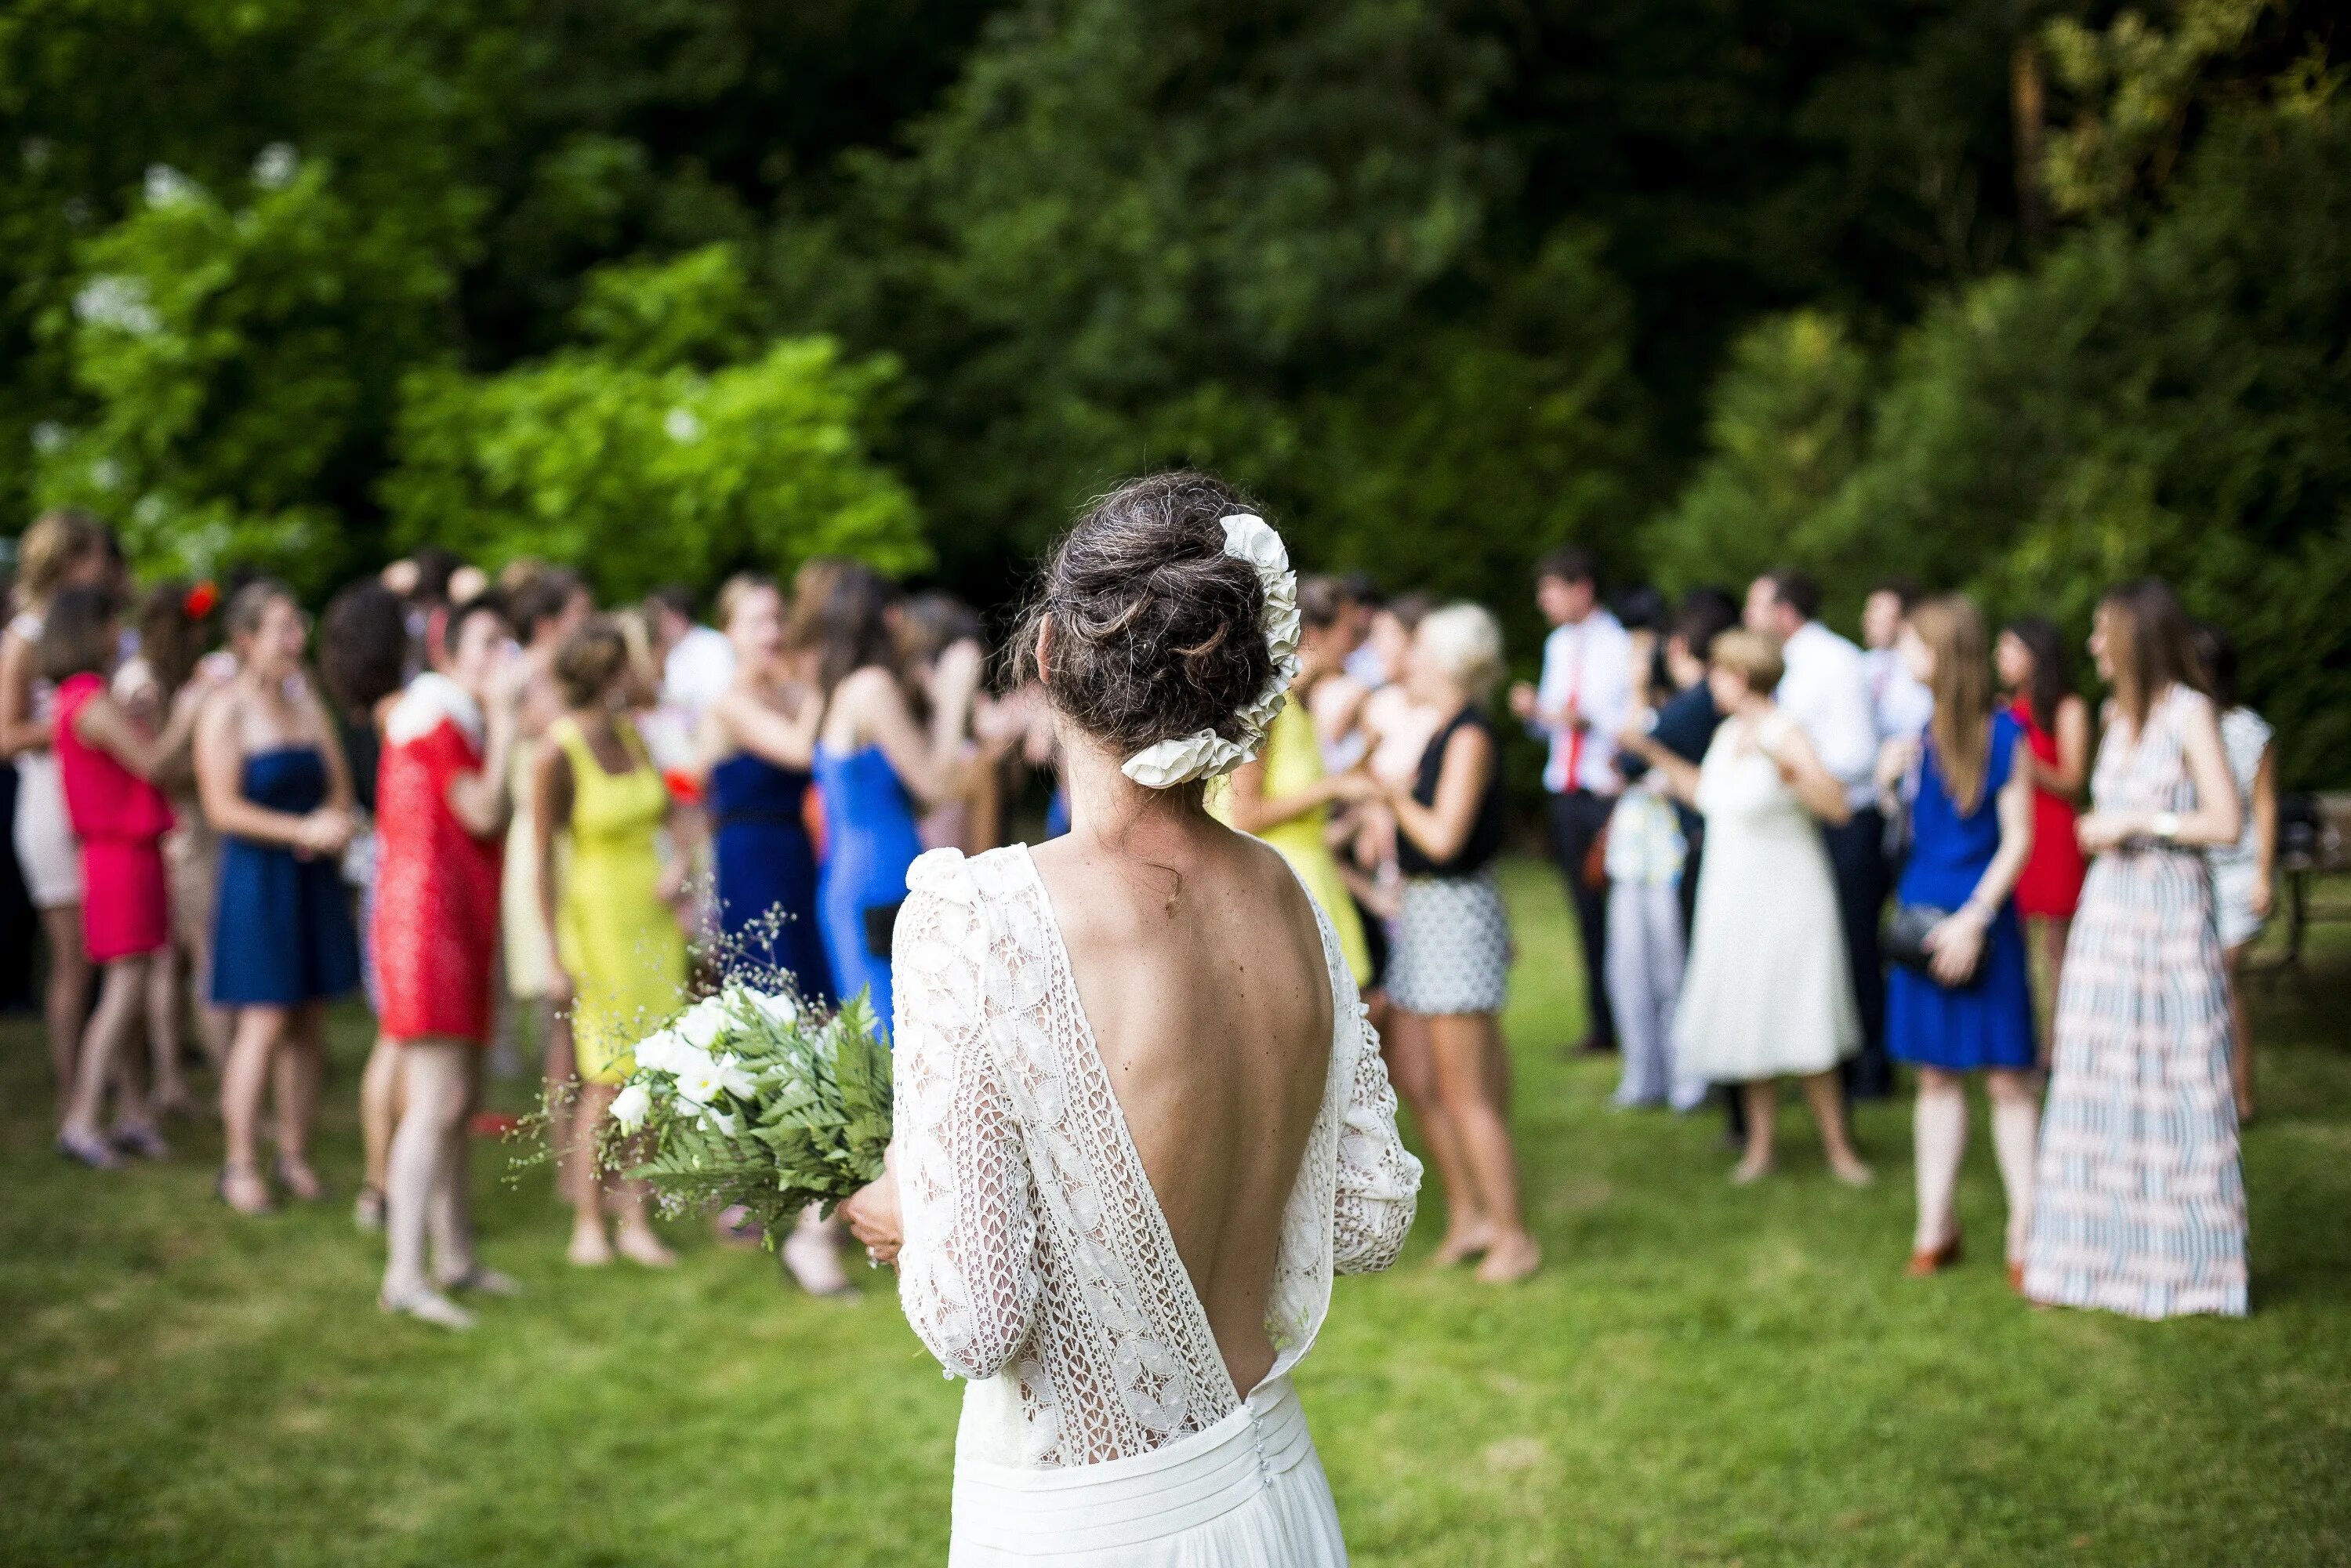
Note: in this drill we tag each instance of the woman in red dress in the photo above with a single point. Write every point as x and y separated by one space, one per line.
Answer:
440 813
2031 658
106 764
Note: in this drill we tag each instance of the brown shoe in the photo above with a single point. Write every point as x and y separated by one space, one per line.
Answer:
1935 1260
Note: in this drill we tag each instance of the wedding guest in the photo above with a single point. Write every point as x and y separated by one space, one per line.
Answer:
1903 705
1970 1008
441 812
697 661
1451 963
605 900
545 611
1652 853
928 625
362 659
172 622
106 763
1283 796
272 779
2244 870
62 550
2139 1206
1766 995
2034 669
873 761
1579 705
1826 692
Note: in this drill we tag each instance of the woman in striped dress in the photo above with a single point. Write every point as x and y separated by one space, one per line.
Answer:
2140 1206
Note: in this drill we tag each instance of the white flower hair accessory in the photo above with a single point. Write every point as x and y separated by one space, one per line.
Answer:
1204 754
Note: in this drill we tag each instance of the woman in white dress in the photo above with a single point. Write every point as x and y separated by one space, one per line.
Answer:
1141 1121
1767 995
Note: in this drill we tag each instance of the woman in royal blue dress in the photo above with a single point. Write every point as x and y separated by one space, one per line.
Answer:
881 747
762 736
272 780
1970 1008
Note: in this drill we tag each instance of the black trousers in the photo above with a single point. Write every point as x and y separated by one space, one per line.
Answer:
1857 858
1577 817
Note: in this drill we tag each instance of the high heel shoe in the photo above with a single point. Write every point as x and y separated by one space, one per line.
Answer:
1935 1260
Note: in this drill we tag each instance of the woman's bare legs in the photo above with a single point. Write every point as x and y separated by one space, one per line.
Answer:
1826 1096
301 1068
1939 1134
1403 1042
161 1004
2015 1141
253 1044
634 1238
559 1091
2054 930
1462 1045
2241 1031
112 1029
423 1195
66 999
1760 1096
382 1110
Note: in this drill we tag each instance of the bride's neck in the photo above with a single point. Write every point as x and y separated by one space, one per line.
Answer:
1111 811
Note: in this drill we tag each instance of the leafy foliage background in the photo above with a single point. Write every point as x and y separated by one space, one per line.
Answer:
2015 295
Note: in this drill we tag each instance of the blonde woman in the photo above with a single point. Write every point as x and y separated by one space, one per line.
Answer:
1766 996
1451 963
63 549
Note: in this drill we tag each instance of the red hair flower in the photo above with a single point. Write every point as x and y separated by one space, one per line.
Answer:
200 600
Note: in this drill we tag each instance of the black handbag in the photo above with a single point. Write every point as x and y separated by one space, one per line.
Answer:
1905 942
881 925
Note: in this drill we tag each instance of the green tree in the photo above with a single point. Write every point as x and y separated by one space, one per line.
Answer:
649 452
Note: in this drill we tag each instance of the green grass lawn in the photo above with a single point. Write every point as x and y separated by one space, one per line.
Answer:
1700 1375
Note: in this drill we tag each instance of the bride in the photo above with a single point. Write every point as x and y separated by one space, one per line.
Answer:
1140 1120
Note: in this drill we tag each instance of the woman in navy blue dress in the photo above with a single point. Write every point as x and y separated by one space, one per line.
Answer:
1971 1008
877 756
762 732
273 783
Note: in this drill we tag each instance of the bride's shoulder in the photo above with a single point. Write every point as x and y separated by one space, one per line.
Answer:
958 878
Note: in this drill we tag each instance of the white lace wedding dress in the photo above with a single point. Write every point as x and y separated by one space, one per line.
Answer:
1099 1425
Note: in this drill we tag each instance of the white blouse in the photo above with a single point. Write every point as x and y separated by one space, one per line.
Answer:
1036 1260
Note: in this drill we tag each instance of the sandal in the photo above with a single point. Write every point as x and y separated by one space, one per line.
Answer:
143 1140
297 1178
83 1149
427 1306
484 1280
251 1207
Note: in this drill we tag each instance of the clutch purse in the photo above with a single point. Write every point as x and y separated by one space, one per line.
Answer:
1905 941
880 925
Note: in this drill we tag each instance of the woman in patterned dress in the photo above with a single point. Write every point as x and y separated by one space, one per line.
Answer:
2140 1206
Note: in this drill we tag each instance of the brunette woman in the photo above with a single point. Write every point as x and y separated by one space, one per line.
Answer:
1451 958
604 899
874 761
2030 659
106 762
1969 1010
62 550
2140 1204
273 783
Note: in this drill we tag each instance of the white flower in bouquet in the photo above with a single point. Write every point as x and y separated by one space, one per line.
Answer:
702 1023
631 1106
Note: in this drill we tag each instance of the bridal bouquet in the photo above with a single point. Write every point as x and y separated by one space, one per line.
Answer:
746 1098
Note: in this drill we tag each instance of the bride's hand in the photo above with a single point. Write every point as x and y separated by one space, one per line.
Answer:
873 1214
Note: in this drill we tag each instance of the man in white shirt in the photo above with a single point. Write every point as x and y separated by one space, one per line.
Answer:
697 661
1826 690
1581 705
1904 708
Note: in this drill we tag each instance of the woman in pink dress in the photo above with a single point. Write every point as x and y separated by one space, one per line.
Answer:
2030 657
106 764
441 816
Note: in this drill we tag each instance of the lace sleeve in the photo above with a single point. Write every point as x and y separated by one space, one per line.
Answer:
1379 1181
966 1272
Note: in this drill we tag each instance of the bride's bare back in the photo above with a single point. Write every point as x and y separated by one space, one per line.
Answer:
1199 964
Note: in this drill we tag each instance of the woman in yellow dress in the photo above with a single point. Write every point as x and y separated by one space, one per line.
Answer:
1284 796
620 953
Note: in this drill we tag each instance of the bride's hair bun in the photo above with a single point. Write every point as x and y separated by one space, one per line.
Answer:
1156 632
